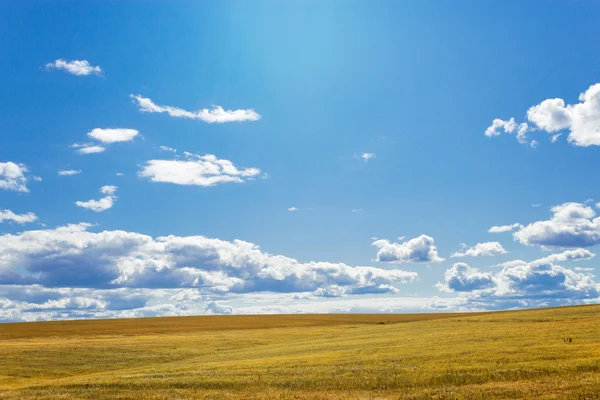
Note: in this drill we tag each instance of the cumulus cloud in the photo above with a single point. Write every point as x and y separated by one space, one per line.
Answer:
215 115
206 170
87 148
7 215
582 119
419 249
68 172
510 127
504 228
75 67
480 249
367 156
212 307
102 204
113 135
12 177
525 284
293 209
463 278
72 256
572 225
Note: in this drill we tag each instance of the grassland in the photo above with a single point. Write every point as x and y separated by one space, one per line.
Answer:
518 354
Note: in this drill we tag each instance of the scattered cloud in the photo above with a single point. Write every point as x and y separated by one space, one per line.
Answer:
504 228
75 67
367 156
416 250
510 127
170 149
356 210
582 119
68 172
113 135
293 209
7 215
88 148
572 225
525 284
206 170
12 177
480 249
215 115
104 203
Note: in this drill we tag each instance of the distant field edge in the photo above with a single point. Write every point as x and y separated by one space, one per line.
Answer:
188 324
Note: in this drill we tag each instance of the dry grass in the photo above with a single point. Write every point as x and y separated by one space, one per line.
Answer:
490 356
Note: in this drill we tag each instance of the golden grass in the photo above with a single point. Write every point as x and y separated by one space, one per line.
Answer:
517 354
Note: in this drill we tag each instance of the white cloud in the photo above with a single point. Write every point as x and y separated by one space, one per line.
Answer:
12 177
88 148
582 119
207 170
7 215
119 174
557 258
463 278
550 115
525 284
75 67
68 172
510 127
104 203
481 249
356 210
113 135
293 209
504 228
419 249
498 125
367 156
72 256
212 307
215 115
165 148
572 225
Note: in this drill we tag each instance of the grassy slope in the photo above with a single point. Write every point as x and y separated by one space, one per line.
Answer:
500 355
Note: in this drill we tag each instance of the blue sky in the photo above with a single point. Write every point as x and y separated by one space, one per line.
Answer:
315 85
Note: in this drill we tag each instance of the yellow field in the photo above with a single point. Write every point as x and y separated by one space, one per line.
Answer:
518 354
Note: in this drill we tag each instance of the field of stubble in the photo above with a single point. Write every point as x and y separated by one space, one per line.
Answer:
518 354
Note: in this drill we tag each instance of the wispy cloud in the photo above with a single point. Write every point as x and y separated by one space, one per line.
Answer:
169 149
88 148
215 115
68 172
367 156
